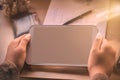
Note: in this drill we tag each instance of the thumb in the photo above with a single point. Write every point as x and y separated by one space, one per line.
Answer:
25 40
97 42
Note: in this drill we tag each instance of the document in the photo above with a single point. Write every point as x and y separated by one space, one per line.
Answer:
61 11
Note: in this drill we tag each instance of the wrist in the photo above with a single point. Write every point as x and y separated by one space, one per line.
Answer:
14 66
98 70
9 70
100 76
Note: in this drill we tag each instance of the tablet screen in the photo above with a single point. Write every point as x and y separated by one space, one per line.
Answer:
60 45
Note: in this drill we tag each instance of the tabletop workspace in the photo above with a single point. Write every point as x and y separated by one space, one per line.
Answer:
56 12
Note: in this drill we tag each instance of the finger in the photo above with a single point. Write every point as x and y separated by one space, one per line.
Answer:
105 42
106 46
98 42
25 41
17 40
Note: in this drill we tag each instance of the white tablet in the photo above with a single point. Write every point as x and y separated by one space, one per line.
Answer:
60 45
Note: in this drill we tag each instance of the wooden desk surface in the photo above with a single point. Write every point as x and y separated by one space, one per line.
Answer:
50 75
41 7
5 39
41 10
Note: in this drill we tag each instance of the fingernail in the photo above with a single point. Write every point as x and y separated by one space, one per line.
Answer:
99 35
28 36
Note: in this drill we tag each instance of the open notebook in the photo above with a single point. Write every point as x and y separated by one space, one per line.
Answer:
60 45
61 11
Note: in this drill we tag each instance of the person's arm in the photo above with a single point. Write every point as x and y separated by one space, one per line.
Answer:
100 76
101 59
8 71
15 58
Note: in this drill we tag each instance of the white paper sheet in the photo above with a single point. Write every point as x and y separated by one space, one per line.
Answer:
61 11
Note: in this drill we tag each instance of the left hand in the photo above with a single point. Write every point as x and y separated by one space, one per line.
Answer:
16 52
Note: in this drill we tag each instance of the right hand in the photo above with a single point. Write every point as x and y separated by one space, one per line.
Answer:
102 57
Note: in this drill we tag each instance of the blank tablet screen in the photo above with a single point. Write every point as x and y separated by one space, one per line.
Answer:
60 45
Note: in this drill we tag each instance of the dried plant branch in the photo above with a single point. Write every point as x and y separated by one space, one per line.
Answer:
15 7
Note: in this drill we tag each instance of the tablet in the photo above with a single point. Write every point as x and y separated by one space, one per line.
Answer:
60 45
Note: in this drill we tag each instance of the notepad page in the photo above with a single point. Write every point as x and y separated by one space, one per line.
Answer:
60 11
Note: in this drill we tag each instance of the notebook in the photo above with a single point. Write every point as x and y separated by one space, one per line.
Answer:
61 11
22 24
60 45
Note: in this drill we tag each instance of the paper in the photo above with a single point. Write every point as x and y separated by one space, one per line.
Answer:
61 11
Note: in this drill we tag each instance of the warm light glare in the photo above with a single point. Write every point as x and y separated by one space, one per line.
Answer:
115 11
109 14
103 16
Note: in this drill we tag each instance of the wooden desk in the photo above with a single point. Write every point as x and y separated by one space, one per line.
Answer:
41 10
53 75
5 39
41 7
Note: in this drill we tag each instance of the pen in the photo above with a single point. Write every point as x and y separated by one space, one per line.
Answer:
78 17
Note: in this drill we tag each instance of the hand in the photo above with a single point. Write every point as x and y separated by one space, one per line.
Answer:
102 57
16 52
